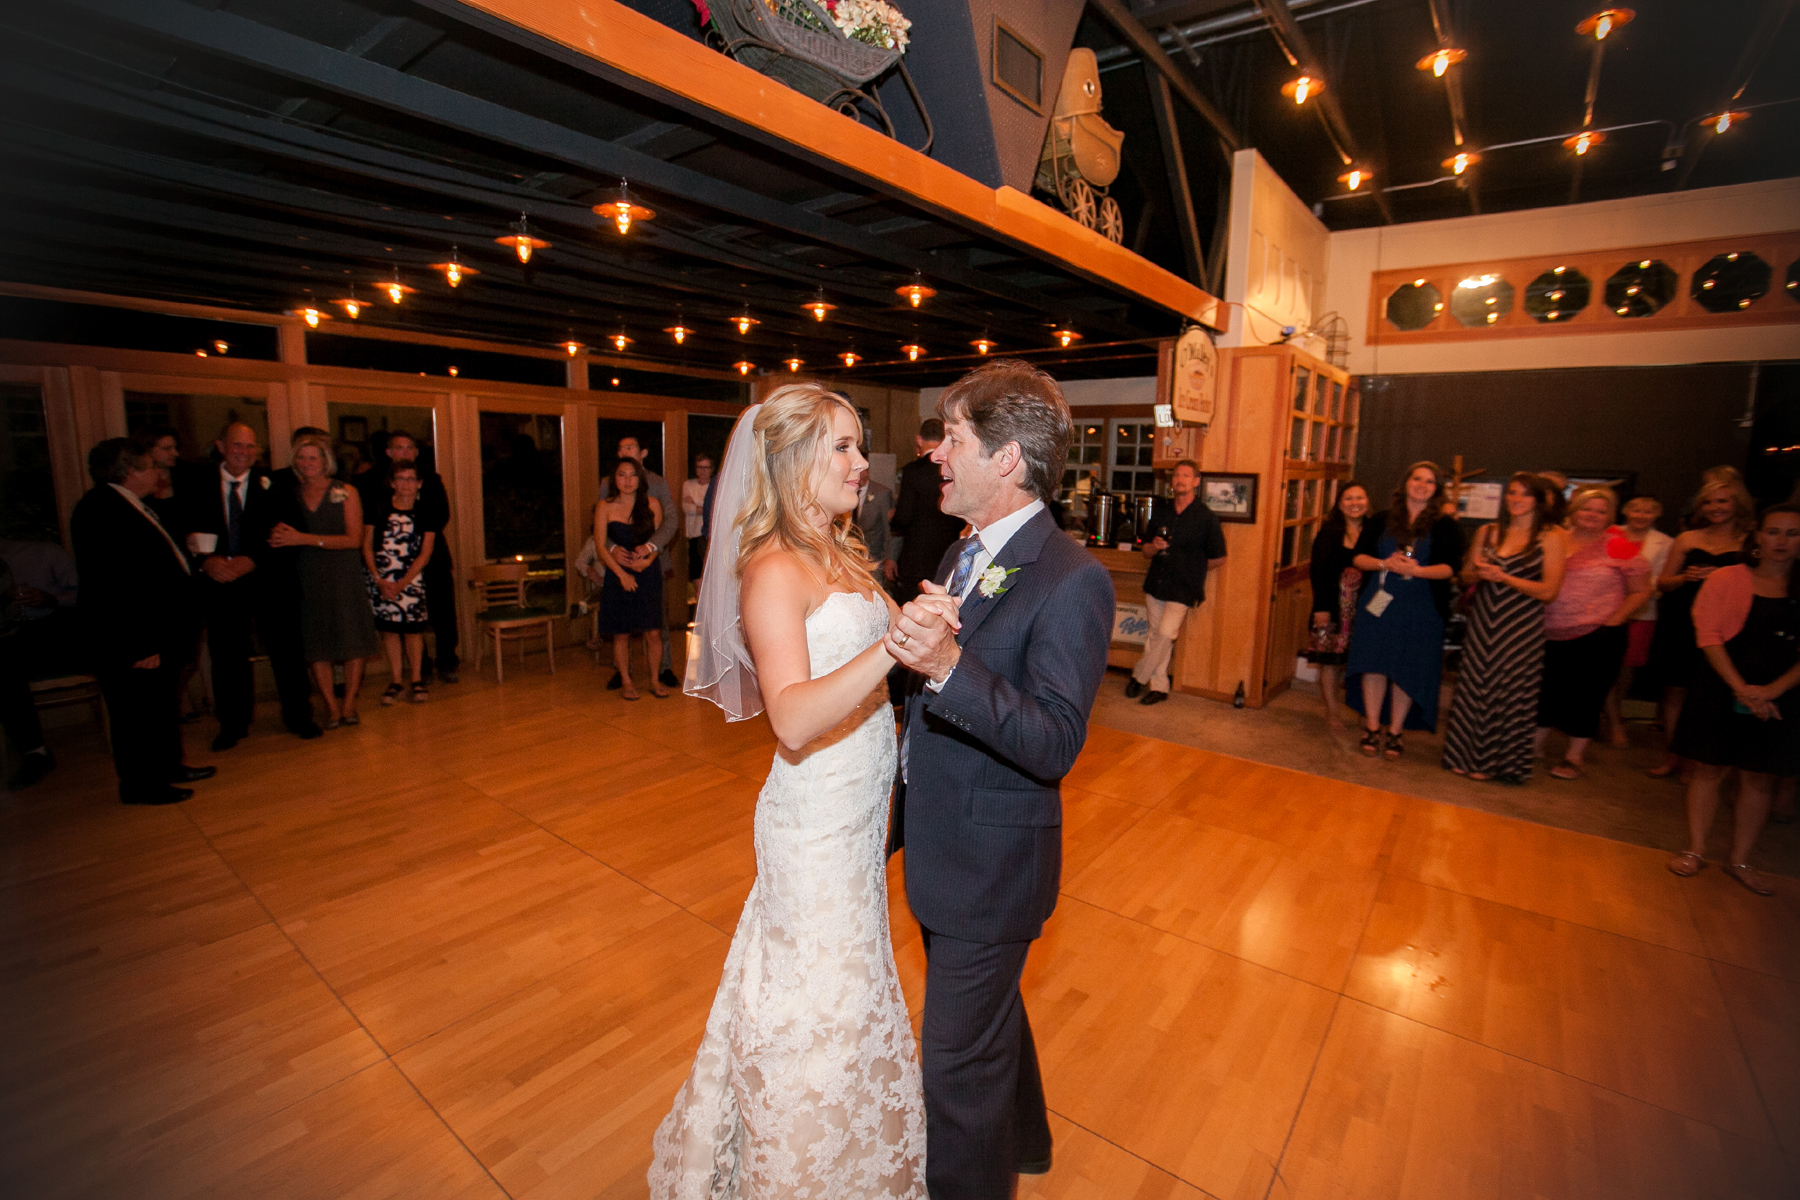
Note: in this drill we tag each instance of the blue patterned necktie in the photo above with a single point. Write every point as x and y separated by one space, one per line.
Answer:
965 564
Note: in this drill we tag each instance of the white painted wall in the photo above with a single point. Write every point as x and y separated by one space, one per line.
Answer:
1276 261
1740 210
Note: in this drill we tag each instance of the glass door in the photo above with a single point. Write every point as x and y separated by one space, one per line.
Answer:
522 499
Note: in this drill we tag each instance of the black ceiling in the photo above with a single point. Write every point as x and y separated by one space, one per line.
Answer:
1525 78
264 153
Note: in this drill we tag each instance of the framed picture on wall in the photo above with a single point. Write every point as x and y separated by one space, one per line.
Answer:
354 430
1231 495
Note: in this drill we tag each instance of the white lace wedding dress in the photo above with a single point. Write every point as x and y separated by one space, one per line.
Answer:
806 1083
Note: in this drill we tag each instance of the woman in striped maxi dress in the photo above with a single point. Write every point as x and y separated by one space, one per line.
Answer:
1516 565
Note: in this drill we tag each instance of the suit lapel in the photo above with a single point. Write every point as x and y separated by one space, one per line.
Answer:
1020 551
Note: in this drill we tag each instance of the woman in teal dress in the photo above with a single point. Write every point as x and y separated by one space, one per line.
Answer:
1397 655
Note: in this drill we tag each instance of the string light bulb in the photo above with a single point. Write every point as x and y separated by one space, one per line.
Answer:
521 241
1356 177
678 331
1584 141
913 351
982 344
1064 336
916 292
1441 60
744 321
350 304
311 316
744 366
222 347
817 306
1458 163
850 358
622 210
455 271
794 364
573 347
396 291
1303 89
1726 120
620 341
1605 22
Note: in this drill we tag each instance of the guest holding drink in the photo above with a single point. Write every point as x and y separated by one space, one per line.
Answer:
1336 587
1742 712
1723 516
399 538
324 519
1185 542
1516 568
1604 582
1397 657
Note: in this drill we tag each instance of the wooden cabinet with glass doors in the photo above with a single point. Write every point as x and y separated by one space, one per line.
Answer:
1291 420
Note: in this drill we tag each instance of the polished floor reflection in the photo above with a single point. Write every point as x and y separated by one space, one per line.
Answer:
467 950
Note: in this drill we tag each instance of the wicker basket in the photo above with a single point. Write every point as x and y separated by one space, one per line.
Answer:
819 62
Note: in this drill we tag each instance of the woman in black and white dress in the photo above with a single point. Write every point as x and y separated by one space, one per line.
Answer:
398 538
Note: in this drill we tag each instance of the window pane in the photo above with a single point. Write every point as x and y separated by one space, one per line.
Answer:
1287 546
1316 445
27 492
1091 454
1146 455
522 497
1306 540
1310 507
1302 380
1069 478
1331 444
1297 446
1337 400
1319 396
1145 484
1124 456
1121 481
198 419
1293 500
359 435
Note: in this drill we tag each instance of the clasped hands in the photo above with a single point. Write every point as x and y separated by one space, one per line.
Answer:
1400 564
1760 700
222 568
923 637
284 535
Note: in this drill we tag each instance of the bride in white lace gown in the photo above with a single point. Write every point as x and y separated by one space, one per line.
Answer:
807 1081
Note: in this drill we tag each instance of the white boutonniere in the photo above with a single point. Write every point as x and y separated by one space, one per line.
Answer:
336 494
990 580
265 483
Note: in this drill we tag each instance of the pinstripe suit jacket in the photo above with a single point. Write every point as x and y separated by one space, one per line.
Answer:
980 813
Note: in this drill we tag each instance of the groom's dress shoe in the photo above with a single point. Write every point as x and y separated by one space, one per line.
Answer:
1133 690
1154 697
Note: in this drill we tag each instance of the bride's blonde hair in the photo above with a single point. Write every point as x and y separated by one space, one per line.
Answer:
793 434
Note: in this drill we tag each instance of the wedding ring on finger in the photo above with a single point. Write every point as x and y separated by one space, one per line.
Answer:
900 638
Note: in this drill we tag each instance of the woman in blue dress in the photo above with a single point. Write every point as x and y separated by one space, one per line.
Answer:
1397 655
631 598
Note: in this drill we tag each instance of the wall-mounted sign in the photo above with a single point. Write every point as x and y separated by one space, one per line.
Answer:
1196 377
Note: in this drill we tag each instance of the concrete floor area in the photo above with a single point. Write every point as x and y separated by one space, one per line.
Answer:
1614 799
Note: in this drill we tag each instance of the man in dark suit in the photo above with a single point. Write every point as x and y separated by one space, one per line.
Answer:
136 616
247 587
919 519
1010 649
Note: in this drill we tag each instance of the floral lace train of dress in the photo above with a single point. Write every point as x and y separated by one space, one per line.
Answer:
807 1083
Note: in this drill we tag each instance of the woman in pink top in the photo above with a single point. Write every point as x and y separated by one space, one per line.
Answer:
1745 711
1604 583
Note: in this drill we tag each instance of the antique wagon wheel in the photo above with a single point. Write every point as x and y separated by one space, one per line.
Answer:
1080 201
1112 221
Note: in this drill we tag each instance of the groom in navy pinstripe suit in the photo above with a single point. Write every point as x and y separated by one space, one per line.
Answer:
1009 646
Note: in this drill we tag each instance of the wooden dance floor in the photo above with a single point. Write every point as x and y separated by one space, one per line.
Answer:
466 950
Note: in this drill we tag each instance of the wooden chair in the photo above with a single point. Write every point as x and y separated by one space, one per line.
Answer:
501 610
72 689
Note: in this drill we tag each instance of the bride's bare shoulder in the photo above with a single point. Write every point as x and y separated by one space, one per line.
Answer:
776 573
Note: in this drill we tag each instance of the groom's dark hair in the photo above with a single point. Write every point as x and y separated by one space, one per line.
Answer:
1013 401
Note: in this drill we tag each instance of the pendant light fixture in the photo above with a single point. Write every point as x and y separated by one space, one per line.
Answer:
573 347
394 289
1458 163
982 344
1726 120
1605 22
1355 177
817 306
913 351
1584 141
312 316
1064 335
1441 60
850 358
744 366
678 331
620 340
521 240
1302 89
794 363
743 321
454 270
350 304
622 210
916 292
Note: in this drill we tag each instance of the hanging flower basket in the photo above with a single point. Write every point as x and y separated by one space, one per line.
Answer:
807 46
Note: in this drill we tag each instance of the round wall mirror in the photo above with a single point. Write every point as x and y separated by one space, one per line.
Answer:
1639 289
1557 295
1481 300
1729 282
1414 305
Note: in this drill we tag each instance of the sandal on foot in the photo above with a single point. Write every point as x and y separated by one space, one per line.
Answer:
393 693
420 693
659 691
1746 874
352 719
629 691
1687 864
1567 769
333 723
1393 747
1371 743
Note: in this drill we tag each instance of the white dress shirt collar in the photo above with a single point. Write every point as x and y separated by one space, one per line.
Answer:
995 537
